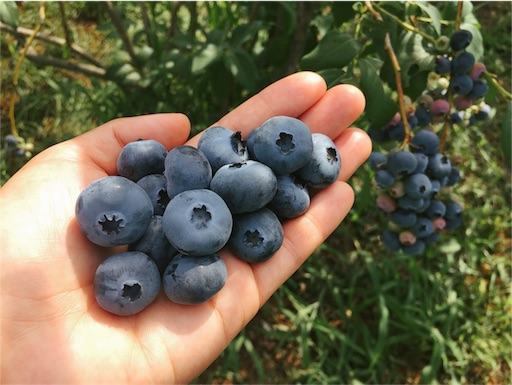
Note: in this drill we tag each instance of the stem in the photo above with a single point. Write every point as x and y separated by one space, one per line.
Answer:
491 78
12 118
52 40
397 70
147 23
458 18
65 26
128 45
406 26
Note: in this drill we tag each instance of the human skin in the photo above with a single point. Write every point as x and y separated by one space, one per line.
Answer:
53 331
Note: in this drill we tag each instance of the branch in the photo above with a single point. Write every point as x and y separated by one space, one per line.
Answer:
397 70
118 24
147 24
86 69
51 39
64 21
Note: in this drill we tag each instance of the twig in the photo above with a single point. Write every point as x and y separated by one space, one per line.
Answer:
147 24
372 10
118 24
86 69
397 70
51 39
12 118
458 19
64 21
406 26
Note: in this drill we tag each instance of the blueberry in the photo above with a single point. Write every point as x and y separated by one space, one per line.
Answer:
460 39
186 168
423 116
422 162
197 222
384 179
416 248
141 158
377 160
397 132
439 166
462 64
409 203
439 109
324 166
461 85
479 90
155 244
453 210
222 146
291 199
246 186
403 218
418 186
432 238
454 177
192 280
442 65
425 142
155 187
423 227
256 236
11 141
401 163
113 211
437 209
126 283
386 203
390 240
477 71
283 143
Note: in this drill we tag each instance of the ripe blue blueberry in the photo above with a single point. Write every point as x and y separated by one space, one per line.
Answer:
443 65
403 218
479 90
384 179
113 211
461 84
282 143
292 197
416 248
256 236
436 209
377 160
460 39
222 146
197 222
401 163
155 244
423 227
439 166
324 167
418 186
186 168
389 239
141 158
155 187
126 283
462 64
246 186
425 142
193 280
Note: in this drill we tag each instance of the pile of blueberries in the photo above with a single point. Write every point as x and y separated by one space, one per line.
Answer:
411 186
415 183
177 209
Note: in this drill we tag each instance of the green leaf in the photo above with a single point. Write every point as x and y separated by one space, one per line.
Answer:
380 108
243 68
343 11
208 55
412 56
433 12
9 13
335 50
477 44
244 32
506 135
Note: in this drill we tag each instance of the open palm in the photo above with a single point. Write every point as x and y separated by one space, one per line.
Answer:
53 330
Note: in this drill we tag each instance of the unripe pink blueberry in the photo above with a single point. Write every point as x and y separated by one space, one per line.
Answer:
462 103
397 190
386 204
439 224
477 71
407 238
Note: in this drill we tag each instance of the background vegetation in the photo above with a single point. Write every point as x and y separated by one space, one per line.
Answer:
353 313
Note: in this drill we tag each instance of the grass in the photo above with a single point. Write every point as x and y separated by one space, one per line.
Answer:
353 313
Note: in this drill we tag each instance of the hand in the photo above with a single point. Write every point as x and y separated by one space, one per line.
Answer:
53 330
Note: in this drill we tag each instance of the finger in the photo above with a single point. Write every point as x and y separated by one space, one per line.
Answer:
338 108
290 96
354 147
103 144
302 236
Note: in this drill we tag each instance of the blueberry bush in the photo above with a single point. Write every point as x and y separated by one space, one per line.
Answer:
414 286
